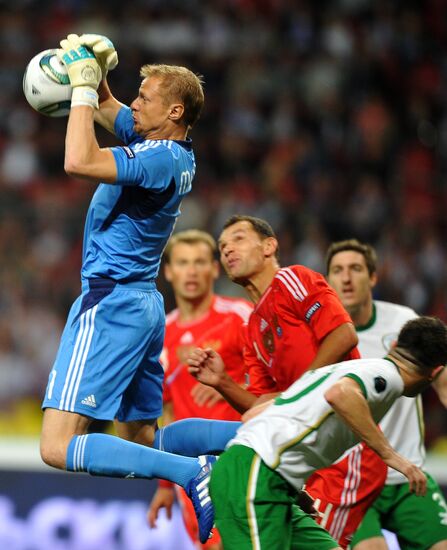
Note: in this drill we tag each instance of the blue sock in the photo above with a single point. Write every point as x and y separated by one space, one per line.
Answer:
195 436
107 455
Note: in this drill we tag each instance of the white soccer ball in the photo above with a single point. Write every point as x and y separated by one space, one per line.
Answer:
46 84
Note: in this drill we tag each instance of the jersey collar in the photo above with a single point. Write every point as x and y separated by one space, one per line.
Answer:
185 143
371 322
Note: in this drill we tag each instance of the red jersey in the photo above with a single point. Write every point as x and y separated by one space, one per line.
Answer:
222 328
296 312
344 491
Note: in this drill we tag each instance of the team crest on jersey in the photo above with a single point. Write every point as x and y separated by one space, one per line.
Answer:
268 338
388 339
268 341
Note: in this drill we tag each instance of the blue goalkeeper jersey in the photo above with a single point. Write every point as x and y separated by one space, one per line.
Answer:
129 222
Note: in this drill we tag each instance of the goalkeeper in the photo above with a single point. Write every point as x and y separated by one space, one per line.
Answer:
107 366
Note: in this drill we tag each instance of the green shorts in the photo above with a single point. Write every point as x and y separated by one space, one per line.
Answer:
255 507
419 522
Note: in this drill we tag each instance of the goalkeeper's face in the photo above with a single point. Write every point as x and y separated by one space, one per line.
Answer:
151 112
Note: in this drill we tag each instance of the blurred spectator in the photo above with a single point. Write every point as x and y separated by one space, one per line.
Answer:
327 118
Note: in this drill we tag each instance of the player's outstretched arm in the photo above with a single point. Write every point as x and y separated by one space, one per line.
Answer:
334 347
347 400
208 368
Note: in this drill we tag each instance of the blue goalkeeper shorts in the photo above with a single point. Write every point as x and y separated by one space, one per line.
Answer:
108 365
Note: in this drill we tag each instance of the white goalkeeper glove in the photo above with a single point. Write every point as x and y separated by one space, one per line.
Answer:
83 70
103 49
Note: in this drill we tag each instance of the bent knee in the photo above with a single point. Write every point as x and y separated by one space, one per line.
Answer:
53 454
58 428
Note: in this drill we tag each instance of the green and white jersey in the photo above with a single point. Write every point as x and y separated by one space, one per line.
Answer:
403 425
301 433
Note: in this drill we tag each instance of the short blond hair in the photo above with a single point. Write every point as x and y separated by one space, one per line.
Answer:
179 84
190 236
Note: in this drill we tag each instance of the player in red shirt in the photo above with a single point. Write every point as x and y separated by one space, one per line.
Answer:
220 327
344 491
288 328
298 322
201 318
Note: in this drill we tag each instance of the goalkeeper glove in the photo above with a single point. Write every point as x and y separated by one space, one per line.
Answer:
103 49
83 70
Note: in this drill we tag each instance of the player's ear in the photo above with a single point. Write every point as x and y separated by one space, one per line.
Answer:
373 279
176 112
437 371
270 246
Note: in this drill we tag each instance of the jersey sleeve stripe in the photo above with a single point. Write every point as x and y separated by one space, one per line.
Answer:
171 316
349 494
293 291
241 309
359 382
297 280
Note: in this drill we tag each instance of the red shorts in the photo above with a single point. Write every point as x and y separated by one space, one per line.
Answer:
344 491
190 521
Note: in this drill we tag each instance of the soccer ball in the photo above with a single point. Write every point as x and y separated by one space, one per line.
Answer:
46 84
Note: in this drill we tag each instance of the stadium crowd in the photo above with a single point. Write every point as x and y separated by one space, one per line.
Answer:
328 119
